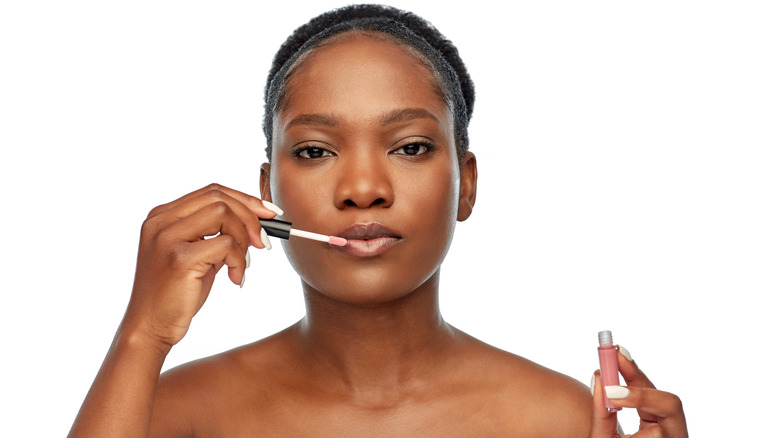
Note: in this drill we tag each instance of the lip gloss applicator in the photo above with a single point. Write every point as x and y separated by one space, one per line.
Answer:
283 230
609 366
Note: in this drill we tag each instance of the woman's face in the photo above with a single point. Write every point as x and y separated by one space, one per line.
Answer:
364 149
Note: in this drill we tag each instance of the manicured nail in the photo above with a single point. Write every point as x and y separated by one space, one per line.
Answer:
616 392
265 239
625 353
241 286
592 382
273 208
248 259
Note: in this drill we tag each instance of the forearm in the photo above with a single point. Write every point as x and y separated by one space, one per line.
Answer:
121 399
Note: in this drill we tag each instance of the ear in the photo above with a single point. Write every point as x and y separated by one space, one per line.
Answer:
265 182
468 186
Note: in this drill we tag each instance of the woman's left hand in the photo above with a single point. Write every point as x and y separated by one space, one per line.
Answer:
661 413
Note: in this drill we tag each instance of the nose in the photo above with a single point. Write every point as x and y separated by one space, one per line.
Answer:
364 182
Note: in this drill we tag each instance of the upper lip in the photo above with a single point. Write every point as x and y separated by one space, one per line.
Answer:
367 232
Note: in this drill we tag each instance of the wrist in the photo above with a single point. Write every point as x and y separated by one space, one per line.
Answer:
140 339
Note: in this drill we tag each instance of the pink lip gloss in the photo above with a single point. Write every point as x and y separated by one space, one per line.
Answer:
609 366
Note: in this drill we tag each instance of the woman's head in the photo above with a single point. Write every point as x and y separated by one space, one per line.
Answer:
419 37
365 147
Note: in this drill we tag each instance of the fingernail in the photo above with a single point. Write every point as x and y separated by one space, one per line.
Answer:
592 382
265 239
241 286
248 259
273 208
616 392
625 353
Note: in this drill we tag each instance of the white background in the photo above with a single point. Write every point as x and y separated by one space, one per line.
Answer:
629 179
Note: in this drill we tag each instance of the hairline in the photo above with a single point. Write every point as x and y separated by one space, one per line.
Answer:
437 81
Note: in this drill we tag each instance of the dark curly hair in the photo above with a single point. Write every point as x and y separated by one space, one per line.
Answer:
435 51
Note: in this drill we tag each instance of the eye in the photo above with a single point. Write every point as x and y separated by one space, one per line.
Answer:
417 148
311 152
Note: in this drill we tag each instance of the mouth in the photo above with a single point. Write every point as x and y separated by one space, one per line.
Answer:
369 240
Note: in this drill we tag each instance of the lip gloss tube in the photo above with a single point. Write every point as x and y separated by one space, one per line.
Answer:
609 366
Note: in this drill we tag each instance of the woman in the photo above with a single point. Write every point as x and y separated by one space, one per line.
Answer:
366 116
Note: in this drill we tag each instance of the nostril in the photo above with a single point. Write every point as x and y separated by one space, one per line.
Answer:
364 189
351 203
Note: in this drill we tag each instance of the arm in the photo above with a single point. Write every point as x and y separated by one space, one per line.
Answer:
120 400
175 270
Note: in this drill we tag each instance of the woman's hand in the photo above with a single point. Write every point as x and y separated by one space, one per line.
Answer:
183 245
661 413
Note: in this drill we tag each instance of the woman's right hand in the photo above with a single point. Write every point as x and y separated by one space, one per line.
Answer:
178 260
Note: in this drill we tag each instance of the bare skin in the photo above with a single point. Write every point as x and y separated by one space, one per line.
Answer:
383 363
363 139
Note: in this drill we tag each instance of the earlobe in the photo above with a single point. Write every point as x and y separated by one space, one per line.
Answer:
468 186
265 182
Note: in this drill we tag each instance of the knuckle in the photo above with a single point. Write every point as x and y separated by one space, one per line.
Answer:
676 403
226 240
642 397
214 188
151 225
220 208
157 210
227 243
216 196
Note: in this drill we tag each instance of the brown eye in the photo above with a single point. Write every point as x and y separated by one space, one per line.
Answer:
312 152
412 149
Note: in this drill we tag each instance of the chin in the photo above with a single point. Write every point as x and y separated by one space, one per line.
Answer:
367 282
368 288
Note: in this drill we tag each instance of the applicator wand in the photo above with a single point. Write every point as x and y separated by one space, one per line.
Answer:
283 230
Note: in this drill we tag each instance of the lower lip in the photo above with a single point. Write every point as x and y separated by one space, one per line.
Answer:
369 248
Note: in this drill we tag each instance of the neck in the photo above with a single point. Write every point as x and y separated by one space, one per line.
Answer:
375 353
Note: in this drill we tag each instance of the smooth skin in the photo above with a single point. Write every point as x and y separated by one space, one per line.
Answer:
175 271
363 138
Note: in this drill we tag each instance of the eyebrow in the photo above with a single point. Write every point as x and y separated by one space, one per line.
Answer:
406 115
395 116
312 120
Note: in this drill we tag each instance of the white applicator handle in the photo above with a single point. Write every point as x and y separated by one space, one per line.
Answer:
309 235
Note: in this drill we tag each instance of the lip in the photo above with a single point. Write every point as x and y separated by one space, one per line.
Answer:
369 240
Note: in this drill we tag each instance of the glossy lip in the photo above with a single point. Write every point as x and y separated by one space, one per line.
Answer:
368 240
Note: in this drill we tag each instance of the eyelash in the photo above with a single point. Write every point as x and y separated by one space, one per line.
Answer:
424 147
299 151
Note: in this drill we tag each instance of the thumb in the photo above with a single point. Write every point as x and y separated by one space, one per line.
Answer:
603 424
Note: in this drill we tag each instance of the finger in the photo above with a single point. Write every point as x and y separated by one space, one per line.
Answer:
653 431
630 370
261 208
201 257
665 408
219 197
603 423
213 219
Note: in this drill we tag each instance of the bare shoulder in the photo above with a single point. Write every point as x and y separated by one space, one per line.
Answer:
534 400
212 392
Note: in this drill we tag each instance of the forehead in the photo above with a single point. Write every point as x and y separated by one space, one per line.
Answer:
357 75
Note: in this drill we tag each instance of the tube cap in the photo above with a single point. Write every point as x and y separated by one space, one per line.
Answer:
276 228
605 338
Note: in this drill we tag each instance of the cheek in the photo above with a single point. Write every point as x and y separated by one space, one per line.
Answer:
435 192
436 209
302 195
